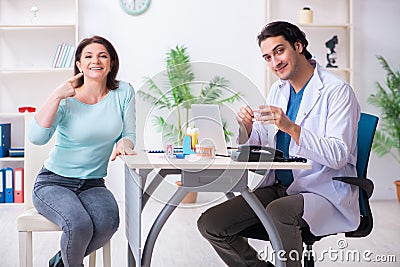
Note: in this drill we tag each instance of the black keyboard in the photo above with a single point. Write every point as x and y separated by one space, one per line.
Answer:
290 159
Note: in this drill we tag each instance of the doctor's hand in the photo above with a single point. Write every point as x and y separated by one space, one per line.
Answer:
67 89
245 119
123 147
275 115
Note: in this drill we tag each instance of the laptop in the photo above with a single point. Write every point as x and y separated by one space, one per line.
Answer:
207 118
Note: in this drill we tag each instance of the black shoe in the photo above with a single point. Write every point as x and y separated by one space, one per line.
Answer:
56 261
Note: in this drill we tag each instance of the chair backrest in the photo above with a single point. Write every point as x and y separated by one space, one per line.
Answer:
366 131
33 162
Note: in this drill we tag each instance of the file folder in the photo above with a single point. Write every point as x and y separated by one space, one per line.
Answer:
2 187
16 152
9 184
18 185
5 139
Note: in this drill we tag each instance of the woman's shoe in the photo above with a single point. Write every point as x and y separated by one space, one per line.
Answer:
56 261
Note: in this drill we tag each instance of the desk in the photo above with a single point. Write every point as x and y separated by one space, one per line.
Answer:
220 174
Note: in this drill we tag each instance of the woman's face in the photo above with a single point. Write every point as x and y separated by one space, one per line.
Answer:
95 62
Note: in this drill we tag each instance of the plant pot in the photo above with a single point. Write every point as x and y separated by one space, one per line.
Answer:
191 197
397 183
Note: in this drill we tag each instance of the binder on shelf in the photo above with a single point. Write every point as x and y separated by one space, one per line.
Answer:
19 185
60 55
64 57
16 152
71 57
9 185
56 55
5 139
2 187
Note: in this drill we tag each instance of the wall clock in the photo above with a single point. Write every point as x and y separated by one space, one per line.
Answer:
134 7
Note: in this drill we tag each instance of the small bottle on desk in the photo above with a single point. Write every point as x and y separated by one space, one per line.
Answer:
169 150
194 135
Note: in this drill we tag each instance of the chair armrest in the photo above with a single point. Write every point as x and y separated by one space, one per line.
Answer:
364 183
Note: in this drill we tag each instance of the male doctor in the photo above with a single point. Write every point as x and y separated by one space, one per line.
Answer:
311 114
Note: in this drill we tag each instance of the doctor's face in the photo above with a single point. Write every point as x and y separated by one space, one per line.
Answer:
281 57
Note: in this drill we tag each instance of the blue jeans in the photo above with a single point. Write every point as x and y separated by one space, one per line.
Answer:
84 209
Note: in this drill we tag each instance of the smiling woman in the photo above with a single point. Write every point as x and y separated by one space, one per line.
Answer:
93 116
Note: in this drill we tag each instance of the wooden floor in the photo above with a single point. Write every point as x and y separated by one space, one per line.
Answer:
180 244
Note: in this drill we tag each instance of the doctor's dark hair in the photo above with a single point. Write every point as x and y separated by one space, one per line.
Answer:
290 32
112 83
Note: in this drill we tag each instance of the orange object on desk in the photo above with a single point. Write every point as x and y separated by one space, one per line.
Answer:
205 151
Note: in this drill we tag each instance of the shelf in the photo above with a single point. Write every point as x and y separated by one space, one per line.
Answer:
12 159
10 204
12 114
33 70
338 69
28 46
325 26
36 27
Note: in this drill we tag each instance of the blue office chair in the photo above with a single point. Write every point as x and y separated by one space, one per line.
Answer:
366 131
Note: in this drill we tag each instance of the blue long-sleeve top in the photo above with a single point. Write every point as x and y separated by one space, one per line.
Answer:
86 134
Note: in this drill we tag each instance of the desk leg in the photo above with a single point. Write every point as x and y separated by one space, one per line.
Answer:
133 212
159 223
131 258
274 237
155 183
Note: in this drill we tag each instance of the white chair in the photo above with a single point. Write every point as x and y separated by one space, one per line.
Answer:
30 220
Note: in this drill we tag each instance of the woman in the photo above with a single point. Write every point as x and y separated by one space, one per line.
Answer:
93 116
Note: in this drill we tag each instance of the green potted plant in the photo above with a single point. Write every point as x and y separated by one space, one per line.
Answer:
181 92
387 99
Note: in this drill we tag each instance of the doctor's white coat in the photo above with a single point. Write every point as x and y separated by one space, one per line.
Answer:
328 116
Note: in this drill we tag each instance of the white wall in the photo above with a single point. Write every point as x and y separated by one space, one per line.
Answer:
224 32
376 33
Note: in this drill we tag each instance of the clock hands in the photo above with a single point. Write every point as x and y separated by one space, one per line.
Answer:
135 7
